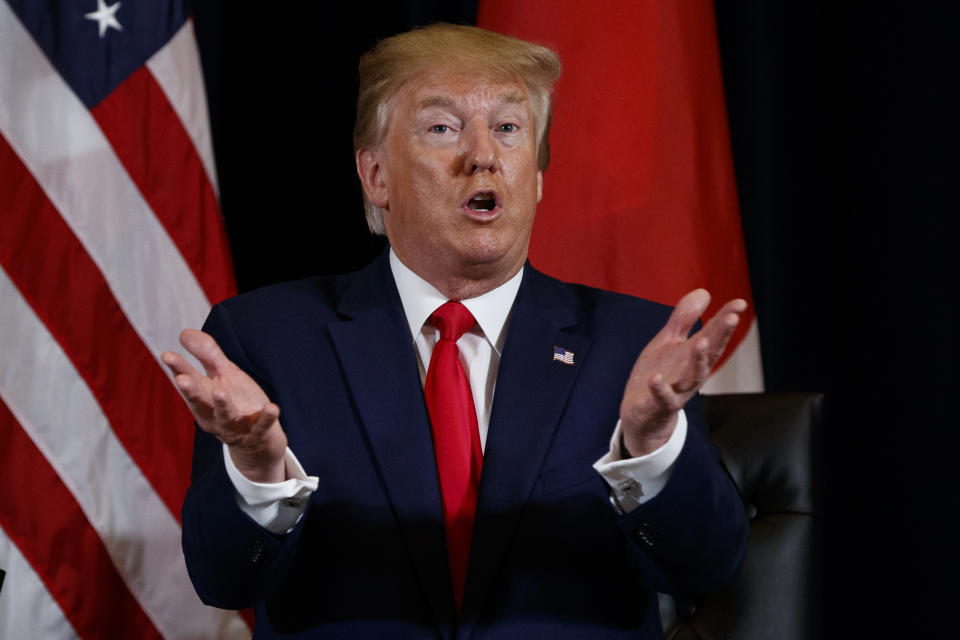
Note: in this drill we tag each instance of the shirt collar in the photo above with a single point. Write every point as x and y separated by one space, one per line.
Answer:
420 299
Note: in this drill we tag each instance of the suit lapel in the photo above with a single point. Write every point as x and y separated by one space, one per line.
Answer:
531 393
377 356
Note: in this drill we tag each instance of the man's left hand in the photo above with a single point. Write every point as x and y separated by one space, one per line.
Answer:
671 369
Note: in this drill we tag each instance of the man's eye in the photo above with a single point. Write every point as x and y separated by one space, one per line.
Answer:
507 127
439 128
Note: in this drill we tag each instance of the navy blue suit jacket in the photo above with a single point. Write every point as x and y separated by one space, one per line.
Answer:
550 557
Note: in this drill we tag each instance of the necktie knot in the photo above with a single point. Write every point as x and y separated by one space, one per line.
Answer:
453 320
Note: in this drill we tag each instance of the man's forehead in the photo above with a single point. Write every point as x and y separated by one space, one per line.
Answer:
450 89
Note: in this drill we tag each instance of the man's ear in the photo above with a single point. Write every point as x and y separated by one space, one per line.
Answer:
373 176
539 186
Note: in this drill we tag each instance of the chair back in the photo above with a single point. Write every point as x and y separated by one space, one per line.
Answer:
769 443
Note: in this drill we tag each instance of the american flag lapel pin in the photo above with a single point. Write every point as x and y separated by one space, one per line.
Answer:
564 356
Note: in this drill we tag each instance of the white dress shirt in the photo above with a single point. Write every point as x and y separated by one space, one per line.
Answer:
278 506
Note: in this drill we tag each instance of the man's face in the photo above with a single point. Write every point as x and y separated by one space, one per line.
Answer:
457 175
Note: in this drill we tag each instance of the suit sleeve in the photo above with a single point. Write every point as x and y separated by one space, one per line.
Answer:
232 561
690 538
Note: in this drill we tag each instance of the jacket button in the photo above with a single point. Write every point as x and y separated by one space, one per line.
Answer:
256 553
645 534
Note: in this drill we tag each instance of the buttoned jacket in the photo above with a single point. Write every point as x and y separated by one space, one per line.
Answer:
550 556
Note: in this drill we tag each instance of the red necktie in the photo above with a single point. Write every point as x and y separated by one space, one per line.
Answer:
456 439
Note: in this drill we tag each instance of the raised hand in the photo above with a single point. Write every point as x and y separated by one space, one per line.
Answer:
672 368
227 403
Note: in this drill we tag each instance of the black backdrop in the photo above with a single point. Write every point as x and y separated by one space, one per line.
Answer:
842 136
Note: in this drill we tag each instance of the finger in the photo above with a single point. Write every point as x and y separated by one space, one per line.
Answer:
268 415
736 306
728 317
687 312
177 364
195 395
701 356
697 369
221 407
205 349
187 384
663 395
721 327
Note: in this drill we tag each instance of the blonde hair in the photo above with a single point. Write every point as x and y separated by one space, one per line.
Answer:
396 60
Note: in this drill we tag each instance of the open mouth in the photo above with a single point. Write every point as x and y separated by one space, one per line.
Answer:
482 201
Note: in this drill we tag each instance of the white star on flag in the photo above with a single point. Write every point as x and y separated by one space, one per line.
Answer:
105 16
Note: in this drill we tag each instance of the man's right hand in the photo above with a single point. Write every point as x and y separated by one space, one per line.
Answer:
227 403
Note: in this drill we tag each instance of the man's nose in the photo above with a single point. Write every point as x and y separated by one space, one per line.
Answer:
480 152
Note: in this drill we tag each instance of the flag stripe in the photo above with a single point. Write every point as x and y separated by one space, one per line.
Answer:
148 416
62 146
176 68
109 611
189 212
27 610
741 372
61 416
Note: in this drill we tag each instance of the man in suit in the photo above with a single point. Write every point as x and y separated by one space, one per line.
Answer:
573 483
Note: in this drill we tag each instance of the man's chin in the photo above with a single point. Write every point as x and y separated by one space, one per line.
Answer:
491 260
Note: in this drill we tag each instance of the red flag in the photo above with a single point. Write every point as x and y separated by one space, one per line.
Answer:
640 195
111 242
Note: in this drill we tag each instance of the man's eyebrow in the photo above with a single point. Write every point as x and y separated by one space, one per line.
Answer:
435 101
514 97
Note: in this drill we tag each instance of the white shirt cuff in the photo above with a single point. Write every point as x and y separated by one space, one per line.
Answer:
275 506
636 480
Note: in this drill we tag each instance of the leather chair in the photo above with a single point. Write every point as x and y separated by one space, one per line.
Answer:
770 445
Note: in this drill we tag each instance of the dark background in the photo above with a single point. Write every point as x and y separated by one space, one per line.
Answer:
843 136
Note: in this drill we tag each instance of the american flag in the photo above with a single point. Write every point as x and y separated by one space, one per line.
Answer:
564 356
111 242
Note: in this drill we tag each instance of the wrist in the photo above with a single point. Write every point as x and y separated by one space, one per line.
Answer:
636 442
262 463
